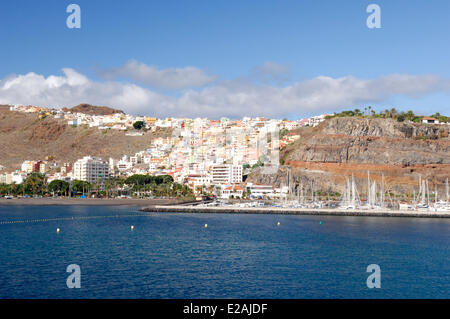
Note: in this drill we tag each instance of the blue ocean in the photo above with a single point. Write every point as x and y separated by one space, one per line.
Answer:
169 255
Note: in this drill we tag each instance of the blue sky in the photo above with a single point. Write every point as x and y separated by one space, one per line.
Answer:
242 54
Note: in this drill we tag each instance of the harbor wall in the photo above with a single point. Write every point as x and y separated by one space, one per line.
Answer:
295 211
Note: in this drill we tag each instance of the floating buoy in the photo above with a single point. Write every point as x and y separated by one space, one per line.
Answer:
278 224
132 227
57 230
206 225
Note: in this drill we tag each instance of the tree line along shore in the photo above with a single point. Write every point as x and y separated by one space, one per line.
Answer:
136 186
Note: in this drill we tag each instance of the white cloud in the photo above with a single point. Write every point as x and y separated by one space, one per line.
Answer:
233 98
171 78
271 72
73 88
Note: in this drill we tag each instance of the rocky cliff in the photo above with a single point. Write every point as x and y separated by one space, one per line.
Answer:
373 141
341 147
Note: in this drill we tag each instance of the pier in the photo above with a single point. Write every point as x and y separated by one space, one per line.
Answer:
295 211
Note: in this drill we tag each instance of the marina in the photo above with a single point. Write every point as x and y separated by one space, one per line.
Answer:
377 197
350 204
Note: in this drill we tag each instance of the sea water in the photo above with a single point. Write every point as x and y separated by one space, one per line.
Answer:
173 255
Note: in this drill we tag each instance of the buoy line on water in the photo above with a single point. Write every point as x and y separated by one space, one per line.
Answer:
8 222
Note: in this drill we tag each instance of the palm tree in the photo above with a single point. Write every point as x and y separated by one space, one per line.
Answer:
14 188
110 183
394 113
410 115
35 183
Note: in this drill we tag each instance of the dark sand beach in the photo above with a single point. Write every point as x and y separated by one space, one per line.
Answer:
87 201
182 206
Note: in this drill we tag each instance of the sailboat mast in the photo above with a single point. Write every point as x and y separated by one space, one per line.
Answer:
313 194
420 188
435 193
374 193
353 190
446 188
347 192
422 192
301 190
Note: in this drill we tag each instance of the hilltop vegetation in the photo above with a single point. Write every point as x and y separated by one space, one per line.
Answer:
389 114
92 110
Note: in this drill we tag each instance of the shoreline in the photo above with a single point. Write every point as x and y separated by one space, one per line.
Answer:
295 211
49 201
180 206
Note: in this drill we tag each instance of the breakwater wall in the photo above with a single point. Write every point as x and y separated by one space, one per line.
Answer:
295 211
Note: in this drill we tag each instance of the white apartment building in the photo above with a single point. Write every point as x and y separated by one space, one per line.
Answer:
91 169
124 164
232 192
5 178
226 174
43 167
28 166
259 190
196 181
18 177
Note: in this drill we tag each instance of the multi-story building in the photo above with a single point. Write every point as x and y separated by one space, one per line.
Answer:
226 174
18 177
28 166
232 192
259 190
91 169
43 167
5 178
66 168
195 181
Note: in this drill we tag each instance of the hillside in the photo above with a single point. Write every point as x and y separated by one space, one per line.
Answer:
340 147
92 110
25 136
